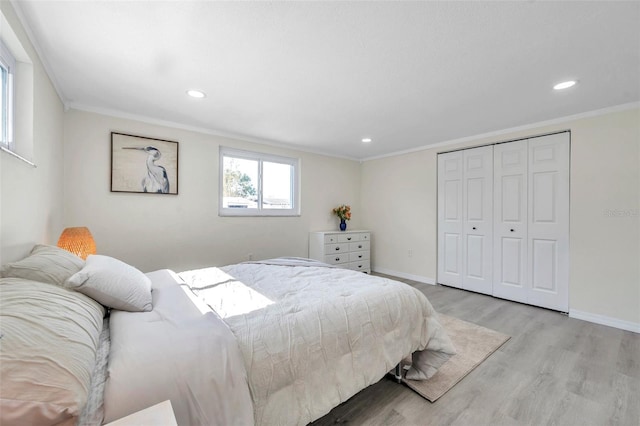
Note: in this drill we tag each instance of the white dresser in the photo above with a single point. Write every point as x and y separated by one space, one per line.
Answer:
346 249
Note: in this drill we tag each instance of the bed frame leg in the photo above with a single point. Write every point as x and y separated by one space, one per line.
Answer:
398 373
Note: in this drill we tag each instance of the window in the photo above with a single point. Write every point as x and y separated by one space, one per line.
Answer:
7 69
256 184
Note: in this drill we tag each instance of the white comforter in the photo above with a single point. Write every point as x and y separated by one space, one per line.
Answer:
180 351
312 337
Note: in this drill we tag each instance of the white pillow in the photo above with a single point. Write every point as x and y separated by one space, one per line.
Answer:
46 264
113 283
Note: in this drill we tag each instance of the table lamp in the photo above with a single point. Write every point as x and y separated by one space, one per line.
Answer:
78 241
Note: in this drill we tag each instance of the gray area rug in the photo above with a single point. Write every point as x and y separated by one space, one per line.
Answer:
473 344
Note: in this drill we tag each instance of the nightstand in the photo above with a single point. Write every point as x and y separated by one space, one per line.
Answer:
157 415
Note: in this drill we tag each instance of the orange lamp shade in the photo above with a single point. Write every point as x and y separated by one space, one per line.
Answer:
78 241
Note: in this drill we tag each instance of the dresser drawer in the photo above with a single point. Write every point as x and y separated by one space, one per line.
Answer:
348 238
352 238
336 248
359 246
331 238
357 256
336 259
364 265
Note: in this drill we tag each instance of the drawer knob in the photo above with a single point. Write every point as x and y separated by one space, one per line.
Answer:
348 238
359 266
512 230
474 228
337 259
359 256
360 246
337 248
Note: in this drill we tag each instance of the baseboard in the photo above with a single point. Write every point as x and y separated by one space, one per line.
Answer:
573 313
411 277
605 320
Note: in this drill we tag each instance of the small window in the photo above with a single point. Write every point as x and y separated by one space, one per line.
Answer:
7 69
256 184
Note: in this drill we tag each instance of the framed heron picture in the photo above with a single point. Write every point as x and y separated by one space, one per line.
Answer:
145 165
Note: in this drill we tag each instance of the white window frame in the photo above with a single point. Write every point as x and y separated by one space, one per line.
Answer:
260 157
8 62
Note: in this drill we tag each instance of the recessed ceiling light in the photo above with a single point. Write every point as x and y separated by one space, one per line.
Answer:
564 85
196 94
366 140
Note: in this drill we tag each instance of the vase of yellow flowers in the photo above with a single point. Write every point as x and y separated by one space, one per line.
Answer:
344 213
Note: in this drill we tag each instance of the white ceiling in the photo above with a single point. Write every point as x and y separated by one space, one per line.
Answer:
320 76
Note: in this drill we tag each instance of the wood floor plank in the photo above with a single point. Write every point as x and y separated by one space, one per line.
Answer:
554 370
628 360
625 400
573 409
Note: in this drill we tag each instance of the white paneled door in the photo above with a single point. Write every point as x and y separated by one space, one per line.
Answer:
503 220
450 219
548 217
465 185
510 221
477 264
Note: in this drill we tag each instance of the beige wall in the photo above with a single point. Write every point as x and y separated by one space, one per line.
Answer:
398 203
399 206
185 231
31 198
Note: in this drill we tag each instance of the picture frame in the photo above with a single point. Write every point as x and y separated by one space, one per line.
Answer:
143 165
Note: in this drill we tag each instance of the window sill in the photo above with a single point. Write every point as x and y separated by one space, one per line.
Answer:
19 157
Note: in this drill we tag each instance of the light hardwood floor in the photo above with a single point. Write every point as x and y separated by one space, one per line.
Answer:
554 370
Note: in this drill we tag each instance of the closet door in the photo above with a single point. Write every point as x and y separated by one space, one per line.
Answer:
548 217
510 221
450 218
478 220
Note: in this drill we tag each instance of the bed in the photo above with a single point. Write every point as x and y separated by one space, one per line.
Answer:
273 342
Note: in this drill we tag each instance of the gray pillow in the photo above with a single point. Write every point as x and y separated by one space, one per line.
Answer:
47 264
113 283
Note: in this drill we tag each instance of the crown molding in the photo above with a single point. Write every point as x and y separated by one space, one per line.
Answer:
39 51
197 129
560 120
